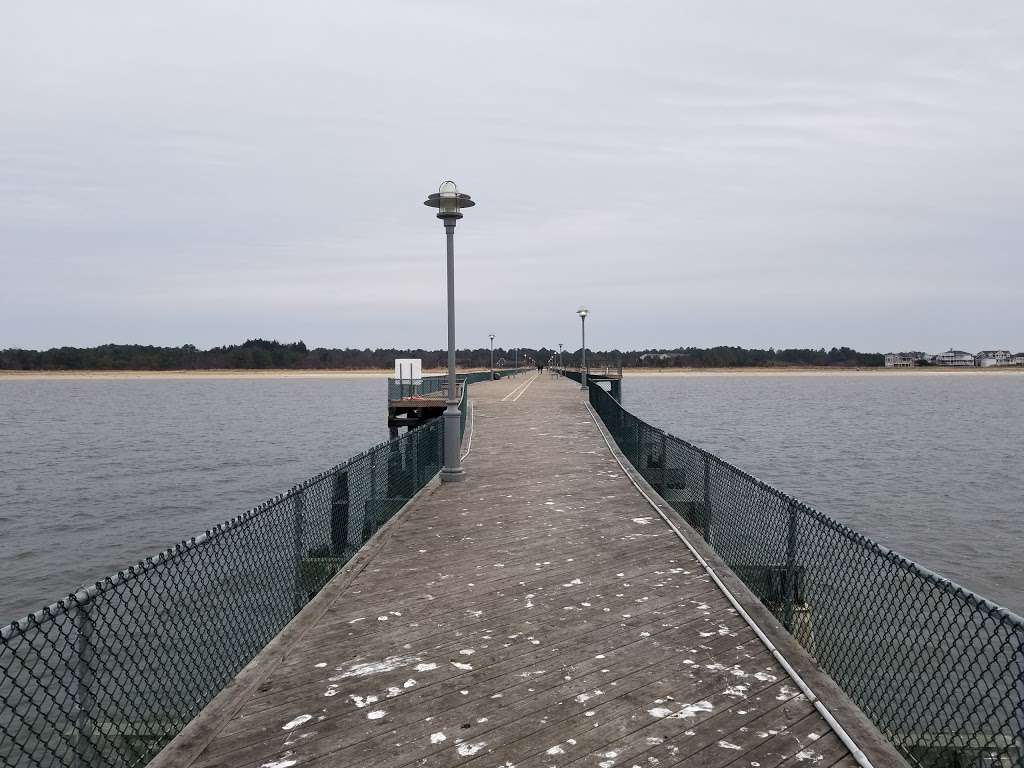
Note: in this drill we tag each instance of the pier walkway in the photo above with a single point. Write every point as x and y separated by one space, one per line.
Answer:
539 614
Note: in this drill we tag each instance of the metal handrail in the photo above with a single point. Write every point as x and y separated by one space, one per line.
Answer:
939 669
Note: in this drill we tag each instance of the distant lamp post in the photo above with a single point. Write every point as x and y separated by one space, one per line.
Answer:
450 202
583 312
492 357
559 355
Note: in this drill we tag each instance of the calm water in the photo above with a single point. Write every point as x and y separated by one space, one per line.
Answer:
96 474
931 466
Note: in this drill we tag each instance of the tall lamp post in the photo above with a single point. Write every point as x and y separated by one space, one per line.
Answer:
583 312
515 363
492 357
449 203
559 355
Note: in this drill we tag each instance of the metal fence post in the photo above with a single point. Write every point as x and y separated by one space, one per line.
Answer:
339 514
638 444
299 595
790 598
371 507
1020 697
395 472
85 750
708 536
415 445
663 461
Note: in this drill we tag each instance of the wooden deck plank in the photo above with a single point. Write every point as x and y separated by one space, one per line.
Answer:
537 614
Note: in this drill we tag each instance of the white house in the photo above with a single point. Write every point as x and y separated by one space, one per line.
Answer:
903 359
954 358
1017 359
989 358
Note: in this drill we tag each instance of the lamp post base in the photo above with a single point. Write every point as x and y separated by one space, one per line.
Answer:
452 471
456 475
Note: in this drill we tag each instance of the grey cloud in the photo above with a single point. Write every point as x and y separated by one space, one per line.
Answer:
737 173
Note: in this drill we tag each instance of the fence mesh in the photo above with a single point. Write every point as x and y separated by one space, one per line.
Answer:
938 669
108 675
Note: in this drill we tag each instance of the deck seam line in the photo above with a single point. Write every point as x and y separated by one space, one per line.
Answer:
844 736
516 398
523 384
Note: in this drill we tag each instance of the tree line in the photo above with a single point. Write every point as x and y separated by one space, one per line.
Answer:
264 354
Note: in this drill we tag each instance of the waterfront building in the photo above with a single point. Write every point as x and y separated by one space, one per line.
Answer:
989 358
655 358
1017 359
954 358
904 359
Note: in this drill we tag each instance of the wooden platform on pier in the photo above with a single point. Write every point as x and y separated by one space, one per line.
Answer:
539 614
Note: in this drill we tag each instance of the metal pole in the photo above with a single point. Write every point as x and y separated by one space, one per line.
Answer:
707 500
299 596
452 470
515 362
85 750
559 355
789 599
492 358
583 368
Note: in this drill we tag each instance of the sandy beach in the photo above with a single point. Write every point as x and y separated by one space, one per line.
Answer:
222 374
809 371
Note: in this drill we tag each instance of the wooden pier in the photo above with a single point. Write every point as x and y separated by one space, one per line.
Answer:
539 614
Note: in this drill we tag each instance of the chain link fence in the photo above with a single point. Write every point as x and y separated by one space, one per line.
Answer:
108 675
938 669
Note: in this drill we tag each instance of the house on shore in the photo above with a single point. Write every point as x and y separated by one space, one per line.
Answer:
904 359
954 358
990 358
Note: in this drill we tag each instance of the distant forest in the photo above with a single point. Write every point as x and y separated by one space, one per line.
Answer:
262 354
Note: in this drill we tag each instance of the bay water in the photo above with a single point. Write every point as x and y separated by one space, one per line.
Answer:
930 464
97 473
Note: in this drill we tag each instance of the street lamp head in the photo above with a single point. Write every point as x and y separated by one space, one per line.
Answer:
449 201
582 311
492 337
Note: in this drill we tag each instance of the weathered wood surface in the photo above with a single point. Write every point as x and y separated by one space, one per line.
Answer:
538 614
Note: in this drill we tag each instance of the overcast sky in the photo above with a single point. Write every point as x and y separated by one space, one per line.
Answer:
795 174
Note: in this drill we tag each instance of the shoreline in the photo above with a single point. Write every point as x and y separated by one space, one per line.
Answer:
363 373
272 373
821 371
